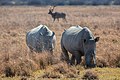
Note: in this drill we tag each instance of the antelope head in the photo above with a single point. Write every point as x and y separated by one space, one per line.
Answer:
51 9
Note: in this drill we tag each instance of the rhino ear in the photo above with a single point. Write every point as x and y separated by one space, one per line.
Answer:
53 34
97 39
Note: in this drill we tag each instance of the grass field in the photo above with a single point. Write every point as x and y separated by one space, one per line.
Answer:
15 58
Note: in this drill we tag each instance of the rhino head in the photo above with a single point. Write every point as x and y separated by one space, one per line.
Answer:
90 51
49 42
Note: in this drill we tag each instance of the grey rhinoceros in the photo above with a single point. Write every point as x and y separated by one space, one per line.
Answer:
79 42
41 39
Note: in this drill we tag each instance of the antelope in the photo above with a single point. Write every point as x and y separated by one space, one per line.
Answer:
56 15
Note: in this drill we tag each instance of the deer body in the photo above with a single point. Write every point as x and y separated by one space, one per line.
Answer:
56 15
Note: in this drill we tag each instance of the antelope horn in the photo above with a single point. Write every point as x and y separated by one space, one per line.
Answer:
50 7
53 8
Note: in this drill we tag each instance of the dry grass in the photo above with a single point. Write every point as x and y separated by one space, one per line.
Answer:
90 75
61 70
15 21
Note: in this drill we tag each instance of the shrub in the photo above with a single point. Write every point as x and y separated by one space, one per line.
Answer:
61 70
51 75
101 62
9 72
117 61
89 75
44 59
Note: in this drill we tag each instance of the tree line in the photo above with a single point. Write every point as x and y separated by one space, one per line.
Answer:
59 2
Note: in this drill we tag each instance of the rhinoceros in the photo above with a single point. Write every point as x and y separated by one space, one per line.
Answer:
41 39
79 42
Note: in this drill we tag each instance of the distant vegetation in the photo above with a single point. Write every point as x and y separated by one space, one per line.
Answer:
59 2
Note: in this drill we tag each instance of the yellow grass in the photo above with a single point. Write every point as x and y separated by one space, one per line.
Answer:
15 21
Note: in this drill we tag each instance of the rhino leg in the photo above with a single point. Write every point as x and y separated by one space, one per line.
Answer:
72 60
78 58
65 55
